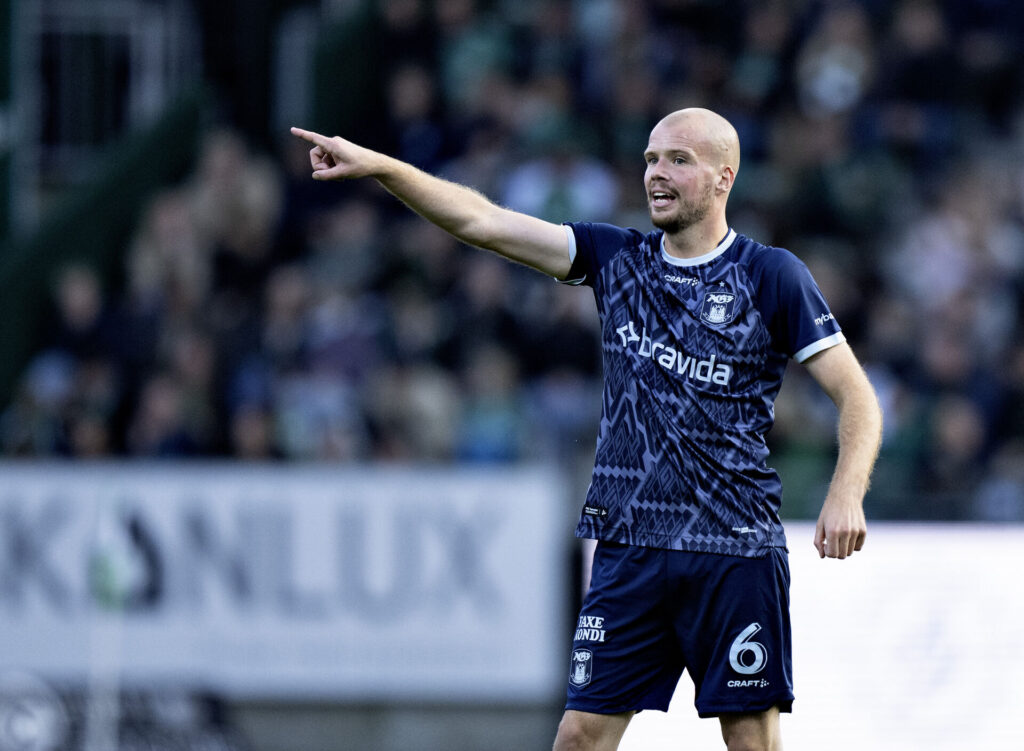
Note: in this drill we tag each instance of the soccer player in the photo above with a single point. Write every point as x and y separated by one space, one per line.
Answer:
698 323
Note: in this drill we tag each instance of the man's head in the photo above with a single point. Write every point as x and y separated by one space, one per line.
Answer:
692 158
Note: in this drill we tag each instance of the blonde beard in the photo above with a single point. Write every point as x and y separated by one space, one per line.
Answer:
687 214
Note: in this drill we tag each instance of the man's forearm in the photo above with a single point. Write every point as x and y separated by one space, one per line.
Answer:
475 220
457 209
860 418
841 527
859 433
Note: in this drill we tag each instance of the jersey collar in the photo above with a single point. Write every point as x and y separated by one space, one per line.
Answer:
698 260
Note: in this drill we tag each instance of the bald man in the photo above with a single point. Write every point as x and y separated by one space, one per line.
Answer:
698 323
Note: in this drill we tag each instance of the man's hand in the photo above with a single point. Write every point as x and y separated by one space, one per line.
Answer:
338 159
841 528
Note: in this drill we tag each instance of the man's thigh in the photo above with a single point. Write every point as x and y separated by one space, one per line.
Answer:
593 732
758 730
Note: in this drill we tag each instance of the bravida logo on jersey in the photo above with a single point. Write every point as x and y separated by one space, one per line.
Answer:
708 371
719 307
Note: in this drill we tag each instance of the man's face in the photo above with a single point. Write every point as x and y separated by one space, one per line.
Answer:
678 180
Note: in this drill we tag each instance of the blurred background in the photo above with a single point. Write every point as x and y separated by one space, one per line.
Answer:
190 329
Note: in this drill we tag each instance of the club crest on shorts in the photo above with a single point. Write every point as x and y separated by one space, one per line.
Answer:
582 667
719 306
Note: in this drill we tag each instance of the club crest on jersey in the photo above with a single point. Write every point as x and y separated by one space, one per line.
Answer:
719 307
582 667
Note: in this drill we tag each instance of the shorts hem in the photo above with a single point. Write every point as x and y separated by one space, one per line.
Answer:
784 703
614 708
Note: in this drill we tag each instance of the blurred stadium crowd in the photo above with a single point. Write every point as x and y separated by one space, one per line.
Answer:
265 317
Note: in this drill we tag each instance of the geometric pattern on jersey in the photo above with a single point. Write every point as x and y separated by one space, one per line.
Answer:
693 360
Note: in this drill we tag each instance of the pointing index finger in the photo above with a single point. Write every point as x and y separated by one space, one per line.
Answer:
308 135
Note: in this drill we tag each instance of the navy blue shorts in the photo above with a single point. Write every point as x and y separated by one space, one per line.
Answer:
652 613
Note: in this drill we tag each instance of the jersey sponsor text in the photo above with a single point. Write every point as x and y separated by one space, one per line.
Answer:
590 628
708 371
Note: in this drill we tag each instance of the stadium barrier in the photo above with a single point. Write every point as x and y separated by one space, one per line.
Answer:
913 643
412 592
286 582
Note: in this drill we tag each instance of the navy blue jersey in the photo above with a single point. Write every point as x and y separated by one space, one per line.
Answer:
694 352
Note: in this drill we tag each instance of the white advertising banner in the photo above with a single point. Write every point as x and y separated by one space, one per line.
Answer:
913 643
416 583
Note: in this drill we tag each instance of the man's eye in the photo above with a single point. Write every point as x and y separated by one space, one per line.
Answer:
680 160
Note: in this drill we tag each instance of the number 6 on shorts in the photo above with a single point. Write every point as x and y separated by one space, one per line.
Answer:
748 657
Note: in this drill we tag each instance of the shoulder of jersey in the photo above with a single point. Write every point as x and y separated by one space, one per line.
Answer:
753 253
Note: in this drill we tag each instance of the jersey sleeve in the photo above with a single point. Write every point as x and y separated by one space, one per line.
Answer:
592 245
799 319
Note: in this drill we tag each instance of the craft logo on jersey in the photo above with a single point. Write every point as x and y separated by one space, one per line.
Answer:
719 307
582 667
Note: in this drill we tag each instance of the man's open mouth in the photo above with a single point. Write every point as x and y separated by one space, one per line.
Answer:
661 198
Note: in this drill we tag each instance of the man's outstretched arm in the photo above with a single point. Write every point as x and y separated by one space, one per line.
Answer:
457 209
841 525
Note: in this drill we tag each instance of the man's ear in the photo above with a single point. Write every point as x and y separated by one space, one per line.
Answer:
726 178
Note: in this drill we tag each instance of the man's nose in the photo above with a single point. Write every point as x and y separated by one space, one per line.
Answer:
655 172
